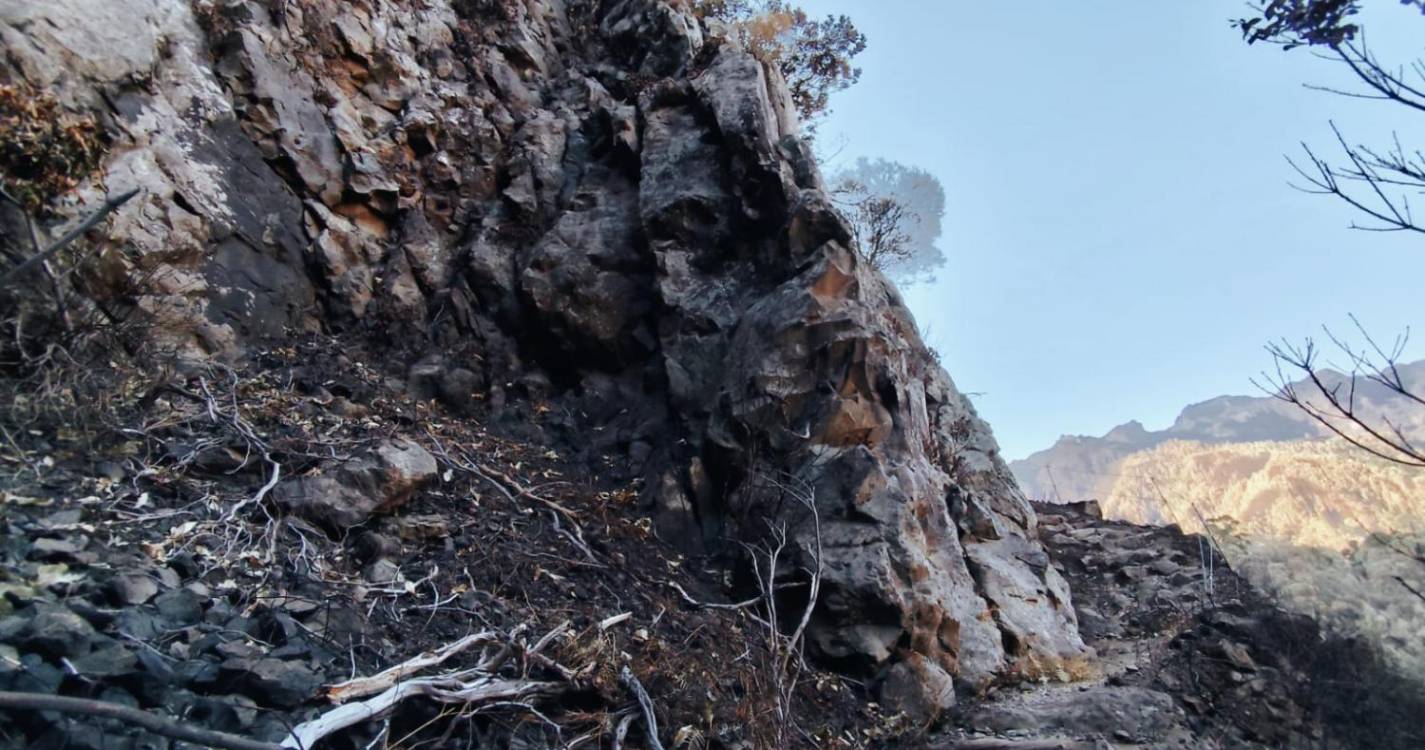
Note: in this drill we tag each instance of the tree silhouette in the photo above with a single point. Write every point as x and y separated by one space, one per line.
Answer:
1377 181
895 211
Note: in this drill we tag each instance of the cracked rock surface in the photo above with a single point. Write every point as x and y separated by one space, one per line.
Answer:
606 207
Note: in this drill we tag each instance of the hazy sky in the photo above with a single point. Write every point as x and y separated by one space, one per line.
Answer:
1121 237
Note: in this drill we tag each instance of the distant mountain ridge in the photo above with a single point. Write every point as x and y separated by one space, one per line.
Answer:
1322 526
1080 467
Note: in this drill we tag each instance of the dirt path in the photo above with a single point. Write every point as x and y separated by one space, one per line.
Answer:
1178 655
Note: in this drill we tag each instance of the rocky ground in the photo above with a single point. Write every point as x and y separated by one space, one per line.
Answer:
154 559
145 566
1191 656
501 373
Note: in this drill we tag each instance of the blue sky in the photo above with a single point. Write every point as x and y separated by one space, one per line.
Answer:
1120 235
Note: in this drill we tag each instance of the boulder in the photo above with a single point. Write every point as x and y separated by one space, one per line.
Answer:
920 689
346 494
58 632
275 683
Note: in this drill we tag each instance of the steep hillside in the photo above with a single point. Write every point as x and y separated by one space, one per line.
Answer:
593 223
1079 467
1308 493
1329 530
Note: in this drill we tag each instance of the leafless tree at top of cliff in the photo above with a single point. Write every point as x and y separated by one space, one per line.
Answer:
895 211
1331 399
880 227
1376 181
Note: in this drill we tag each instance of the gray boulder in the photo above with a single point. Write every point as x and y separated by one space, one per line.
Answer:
1134 713
275 683
57 632
345 494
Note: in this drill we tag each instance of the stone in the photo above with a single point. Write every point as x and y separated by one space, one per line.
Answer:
370 546
156 669
421 528
224 713
36 675
170 577
1146 715
458 387
179 607
274 683
50 549
275 626
382 572
142 623
347 494
1131 573
62 520
1164 567
237 650
298 606
107 662
71 735
918 688
131 589
1236 655
58 632
201 675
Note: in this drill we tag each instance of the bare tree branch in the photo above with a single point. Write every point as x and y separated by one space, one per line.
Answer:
152 722
1329 406
89 222
645 707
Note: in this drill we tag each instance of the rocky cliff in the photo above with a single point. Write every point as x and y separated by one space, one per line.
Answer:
600 209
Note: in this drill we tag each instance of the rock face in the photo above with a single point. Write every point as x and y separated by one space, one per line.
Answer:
608 206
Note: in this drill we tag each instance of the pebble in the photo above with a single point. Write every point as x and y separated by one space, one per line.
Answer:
130 590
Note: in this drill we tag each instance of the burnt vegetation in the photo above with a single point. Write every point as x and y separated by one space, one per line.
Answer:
813 55
306 547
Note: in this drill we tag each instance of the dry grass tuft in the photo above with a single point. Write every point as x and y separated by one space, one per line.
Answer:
44 151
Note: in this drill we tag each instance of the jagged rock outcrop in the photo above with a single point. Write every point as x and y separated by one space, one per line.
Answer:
606 205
